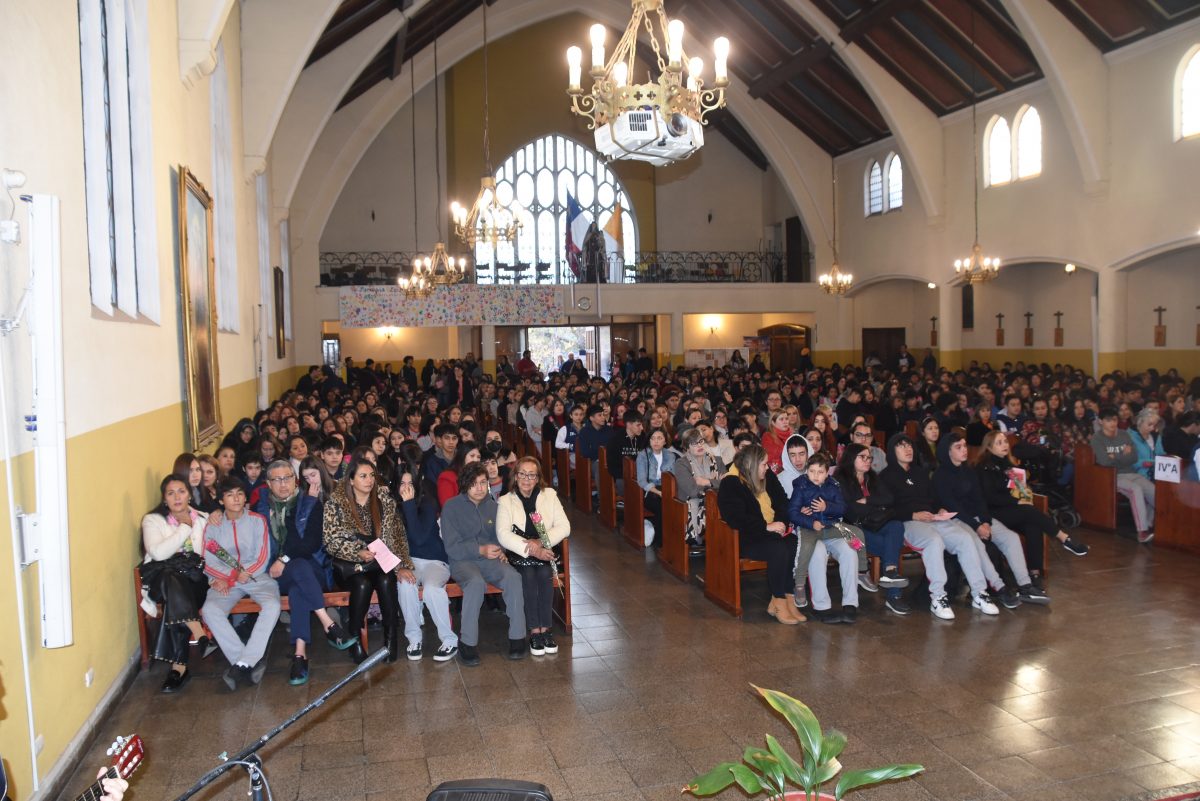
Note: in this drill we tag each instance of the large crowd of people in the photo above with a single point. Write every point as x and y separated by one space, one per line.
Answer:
387 483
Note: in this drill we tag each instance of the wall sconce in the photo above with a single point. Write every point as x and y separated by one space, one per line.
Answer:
389 331
712 322
1069 268
931 285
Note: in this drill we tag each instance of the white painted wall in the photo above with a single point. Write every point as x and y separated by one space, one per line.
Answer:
1173 282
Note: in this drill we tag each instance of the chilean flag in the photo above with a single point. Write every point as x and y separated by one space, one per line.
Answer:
578 223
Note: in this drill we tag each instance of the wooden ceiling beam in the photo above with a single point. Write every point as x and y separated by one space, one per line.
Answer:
969 52
877 14
399 51
797 65
840 83
336 35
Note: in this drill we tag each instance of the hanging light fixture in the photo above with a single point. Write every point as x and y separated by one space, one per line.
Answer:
415 285
835 282
976 268
660 121
488 220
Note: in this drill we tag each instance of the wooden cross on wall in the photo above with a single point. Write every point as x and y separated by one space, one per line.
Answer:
1028 329
1058 331
999 328
1160 330
933 333
1198 330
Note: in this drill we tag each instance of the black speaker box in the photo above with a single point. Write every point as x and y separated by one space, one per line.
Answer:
489 790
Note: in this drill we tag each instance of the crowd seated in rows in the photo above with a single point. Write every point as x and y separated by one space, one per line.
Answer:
389 484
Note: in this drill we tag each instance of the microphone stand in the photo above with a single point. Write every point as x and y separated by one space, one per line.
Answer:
248 757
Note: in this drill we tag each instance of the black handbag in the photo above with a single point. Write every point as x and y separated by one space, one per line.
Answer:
345 569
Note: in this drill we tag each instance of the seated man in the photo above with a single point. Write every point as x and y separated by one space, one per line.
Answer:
298 562
235 558
1114 448
624 442
469 536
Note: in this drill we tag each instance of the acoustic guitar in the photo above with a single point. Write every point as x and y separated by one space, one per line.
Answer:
127 755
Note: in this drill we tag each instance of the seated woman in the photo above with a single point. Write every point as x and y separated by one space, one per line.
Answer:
696 472
564 440
651 463
773 439
1147 440
752 502
187 467
1009 500
866 507
359 514
530 521
447 483
926 446
431 567
981 423
173 576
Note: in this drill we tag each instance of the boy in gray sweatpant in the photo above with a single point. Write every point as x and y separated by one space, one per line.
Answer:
236 553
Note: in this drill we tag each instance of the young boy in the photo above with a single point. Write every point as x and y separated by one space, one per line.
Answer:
816 507
252 469
241 537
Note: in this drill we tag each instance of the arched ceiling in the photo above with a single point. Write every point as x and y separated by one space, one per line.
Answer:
944 52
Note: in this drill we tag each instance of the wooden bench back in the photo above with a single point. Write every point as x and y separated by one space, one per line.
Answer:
635 509
674 551
723 563
562 465
608 492
1177 515
583 482
1095 490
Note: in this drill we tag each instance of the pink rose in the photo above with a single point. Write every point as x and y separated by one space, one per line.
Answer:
211 546
536 518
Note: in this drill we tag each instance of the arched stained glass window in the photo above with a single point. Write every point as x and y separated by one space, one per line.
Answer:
998 150
1029 142
874 190
540 176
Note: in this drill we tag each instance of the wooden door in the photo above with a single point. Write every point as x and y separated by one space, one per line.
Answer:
884 342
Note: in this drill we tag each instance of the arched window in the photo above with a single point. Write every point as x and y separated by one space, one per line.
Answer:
874 190
1029 142
997 149
1188 94
539 176
895 182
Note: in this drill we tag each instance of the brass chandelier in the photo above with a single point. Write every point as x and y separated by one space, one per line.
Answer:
488 220
835 282
440 268
657 121
416 284
976 268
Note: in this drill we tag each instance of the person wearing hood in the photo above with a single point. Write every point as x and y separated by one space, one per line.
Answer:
958 489
931 532
796 452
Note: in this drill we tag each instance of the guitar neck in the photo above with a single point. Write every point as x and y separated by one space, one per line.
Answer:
96 792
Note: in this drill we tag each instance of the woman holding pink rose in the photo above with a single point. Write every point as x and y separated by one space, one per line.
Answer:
530 521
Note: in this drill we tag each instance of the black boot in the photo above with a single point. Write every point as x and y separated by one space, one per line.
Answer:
389 642
356 652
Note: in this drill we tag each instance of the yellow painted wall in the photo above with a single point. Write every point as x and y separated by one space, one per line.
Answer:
997 356
525 105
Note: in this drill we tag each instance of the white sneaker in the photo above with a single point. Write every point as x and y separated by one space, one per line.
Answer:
648 532
941 608
984 604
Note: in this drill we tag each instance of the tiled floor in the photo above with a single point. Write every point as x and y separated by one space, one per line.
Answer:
1095 697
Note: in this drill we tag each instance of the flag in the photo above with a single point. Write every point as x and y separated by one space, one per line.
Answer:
578 222
614 245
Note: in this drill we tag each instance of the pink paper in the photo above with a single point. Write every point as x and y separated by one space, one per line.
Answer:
940 516
383 555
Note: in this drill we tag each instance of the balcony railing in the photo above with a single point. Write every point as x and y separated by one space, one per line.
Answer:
651 267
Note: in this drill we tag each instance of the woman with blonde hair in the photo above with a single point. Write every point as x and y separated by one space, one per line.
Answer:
530 521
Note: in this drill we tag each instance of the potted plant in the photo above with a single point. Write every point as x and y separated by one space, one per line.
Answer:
770 771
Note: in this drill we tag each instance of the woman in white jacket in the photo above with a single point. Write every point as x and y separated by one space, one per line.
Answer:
173 576
530 521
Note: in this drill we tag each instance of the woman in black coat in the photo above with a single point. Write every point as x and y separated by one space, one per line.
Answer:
740 499
1013 506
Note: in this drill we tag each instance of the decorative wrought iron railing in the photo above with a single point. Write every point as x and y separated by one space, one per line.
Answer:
651 267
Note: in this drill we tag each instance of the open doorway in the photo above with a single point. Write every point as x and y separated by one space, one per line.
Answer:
550 346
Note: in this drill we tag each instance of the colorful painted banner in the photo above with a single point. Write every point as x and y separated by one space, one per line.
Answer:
462 304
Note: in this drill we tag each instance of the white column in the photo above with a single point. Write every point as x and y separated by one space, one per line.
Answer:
949 326
488 357
1110 338
676 338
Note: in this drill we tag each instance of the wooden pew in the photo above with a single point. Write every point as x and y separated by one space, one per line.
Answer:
547 458
608 492
910 428
635 509
674 551
562 464
583 483
1177 516
338 598
723 564
1095 490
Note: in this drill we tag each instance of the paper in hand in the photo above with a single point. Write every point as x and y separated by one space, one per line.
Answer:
939 516
383 555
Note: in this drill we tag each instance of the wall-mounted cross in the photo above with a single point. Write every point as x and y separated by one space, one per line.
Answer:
1000 320
1058 319
1028 319
1159 311
933 321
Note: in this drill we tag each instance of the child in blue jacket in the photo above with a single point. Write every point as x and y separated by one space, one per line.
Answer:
816 508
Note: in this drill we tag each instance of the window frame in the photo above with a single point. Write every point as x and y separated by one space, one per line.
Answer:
1190 61
989 133
1021 119
892 158
869 206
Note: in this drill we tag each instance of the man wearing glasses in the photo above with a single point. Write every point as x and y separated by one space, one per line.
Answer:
477 559
863 435
298 562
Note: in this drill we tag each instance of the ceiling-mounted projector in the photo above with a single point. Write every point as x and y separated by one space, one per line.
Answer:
649 135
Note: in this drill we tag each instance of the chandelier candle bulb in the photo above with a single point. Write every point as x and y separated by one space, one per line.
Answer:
675 43
574 64
597 34
621 74
695 73
721 65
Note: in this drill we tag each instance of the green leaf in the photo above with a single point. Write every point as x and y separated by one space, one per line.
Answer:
827 771
747 779
767 765
833 745
790 767
714 781
798 716
862 778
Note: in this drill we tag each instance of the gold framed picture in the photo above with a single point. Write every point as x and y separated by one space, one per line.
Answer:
198 311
